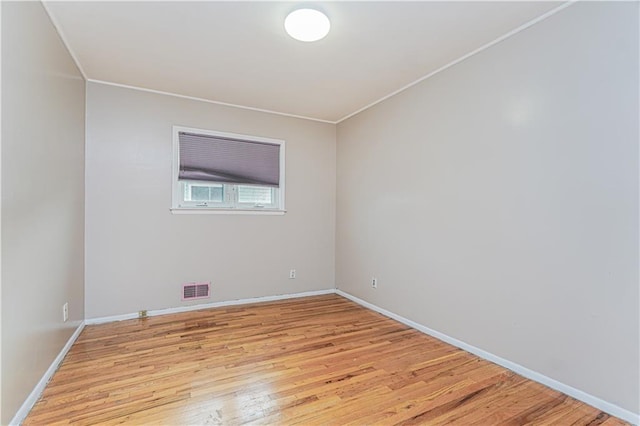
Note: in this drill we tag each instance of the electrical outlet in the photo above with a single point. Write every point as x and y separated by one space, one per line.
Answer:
65 312
374 282
292 274
142 314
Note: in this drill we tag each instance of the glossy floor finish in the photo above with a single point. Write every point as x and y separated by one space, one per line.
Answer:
313 361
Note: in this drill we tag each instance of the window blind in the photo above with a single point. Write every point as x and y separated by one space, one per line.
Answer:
226 160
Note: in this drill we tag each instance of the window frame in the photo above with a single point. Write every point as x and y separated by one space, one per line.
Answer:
230 204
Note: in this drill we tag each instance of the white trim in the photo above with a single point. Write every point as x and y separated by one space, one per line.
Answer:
186 210
209 101
201 306
267 111
33 397
58 28
112 318
517 368
463 57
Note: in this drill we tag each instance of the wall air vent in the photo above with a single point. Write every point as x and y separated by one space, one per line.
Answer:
195 291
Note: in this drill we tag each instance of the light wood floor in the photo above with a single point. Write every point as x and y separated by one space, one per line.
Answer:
318 360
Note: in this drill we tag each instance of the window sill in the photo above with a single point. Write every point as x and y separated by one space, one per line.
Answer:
196 210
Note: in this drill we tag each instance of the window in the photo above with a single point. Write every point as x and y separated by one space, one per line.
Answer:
202 192
224 172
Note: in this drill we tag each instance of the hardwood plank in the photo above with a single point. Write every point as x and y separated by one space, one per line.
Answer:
317 360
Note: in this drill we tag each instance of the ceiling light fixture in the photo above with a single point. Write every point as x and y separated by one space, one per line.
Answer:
307 24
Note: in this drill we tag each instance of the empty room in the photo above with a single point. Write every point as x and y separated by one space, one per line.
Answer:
320 213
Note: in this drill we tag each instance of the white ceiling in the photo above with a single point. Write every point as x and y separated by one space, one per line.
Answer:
239 53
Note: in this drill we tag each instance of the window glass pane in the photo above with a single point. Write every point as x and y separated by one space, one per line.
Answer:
255 194
199 192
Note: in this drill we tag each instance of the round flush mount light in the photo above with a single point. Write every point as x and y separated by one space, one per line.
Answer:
307 24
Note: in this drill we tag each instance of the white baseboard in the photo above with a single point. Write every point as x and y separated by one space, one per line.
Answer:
596 402
198 307
517 368
28 404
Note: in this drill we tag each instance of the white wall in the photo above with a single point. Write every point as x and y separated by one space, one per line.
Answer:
138 254
42 198
497 202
